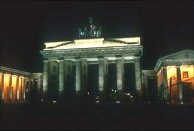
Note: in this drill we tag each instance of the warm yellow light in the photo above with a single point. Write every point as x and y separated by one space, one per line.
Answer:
171 72
14 87
171 75
6 85
190 70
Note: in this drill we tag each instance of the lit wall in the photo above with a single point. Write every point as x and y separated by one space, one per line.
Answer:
190 70
172 83
172 88
171 74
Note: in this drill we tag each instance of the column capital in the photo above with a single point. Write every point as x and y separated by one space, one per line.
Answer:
46 61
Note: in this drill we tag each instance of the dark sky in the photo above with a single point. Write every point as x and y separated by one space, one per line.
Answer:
164 27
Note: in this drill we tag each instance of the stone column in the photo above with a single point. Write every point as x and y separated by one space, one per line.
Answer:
26 91
179 85
45 79
10 88
138 77
77 77
1 86
103 72
145 83
84 85
120 78
39 85
164 83
61 79
66 83
24 88
20 88
68 91
17 87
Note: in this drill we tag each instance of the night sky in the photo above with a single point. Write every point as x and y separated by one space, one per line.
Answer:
164 27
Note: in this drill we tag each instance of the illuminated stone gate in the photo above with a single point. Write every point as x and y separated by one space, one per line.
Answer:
63 60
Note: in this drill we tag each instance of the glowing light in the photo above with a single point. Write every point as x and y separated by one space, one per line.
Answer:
54 102
97 98
118 102
171 73
97 101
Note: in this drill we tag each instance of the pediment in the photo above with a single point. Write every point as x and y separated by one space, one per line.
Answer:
184 54
181 57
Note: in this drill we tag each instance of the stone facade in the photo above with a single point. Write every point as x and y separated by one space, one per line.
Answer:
66 66
16 85
175 77
101 70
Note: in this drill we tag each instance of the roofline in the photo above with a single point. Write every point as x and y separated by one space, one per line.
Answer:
160 60
2 68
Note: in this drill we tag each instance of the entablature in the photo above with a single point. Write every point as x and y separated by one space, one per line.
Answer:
131 50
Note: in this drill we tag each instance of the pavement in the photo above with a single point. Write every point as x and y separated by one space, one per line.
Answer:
96 116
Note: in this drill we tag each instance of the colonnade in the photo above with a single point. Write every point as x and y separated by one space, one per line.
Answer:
12 87
166 94
81 68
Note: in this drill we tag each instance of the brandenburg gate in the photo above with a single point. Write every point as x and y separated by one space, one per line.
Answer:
65 74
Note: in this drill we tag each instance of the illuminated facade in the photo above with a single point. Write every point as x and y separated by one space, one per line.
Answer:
66 74
175 77
66 66
101 69
16 85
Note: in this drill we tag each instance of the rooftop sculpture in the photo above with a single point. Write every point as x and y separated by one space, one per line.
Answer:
93 31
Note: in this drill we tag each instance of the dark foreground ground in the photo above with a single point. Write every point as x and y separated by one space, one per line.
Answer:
97 116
